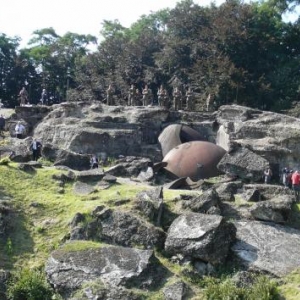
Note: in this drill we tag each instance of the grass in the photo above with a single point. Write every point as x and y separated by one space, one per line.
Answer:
41 228
41 220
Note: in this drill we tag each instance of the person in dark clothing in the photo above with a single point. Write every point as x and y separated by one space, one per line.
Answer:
94 162
2 124
35 147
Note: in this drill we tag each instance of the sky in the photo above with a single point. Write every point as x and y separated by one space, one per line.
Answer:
22 17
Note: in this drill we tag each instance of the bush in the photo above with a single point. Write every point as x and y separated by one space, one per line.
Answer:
29 285
4 161
263 289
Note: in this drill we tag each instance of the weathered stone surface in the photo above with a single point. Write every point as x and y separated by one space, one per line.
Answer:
92 127
72 160
200 236
271 135
267 247
146 175
129 167
202 203
227 190
275 210
68 270
90 175
122 228
150 203
126 229
82 188
268 191
252 195
175 291
244 164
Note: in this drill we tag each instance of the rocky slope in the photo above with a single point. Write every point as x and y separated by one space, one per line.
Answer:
235 220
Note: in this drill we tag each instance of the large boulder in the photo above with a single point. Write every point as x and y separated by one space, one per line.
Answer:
244 164
267 247
199 236
275 210
271 135
68 269
203 202
120 228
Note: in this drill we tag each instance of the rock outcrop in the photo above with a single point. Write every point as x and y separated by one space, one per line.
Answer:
267 247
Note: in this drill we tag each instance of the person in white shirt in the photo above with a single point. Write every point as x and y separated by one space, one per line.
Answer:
20 130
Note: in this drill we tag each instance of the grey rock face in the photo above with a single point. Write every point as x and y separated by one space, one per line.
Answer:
175 291
72 160
203 202
206 237
150 203
126 229
276 210
120 228
129 167
244 163
274 136
267 247
227 190
68 270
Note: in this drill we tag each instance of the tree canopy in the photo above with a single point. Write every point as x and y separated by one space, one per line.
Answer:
241 52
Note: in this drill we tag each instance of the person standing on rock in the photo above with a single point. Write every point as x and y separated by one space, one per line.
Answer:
23 96
2 124
94 162
177 97
44 98
189 99
20 130
36 148
268 175
146 95
296 184
109 95
131 96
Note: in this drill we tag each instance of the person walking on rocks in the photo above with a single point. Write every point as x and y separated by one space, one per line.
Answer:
36 148
20 130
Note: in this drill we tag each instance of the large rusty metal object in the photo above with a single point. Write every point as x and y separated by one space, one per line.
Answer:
175 135
197 160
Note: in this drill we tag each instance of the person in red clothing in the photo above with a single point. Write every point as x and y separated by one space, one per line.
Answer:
296 184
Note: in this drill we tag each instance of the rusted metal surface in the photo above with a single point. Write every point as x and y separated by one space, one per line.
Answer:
175 135
197 160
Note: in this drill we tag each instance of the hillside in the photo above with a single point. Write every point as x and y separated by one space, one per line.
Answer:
104 234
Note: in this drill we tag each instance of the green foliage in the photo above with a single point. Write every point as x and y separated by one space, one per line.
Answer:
219 289
4 161
29 285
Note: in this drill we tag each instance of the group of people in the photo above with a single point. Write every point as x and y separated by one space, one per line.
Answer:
24 97
35 146
146 97
291 179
